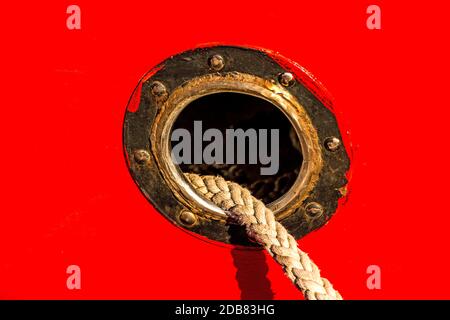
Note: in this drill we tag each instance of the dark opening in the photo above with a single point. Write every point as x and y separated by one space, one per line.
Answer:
235 110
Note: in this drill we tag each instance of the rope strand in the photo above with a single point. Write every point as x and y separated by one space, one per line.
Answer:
262 228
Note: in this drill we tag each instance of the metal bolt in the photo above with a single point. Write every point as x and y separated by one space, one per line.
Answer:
158 89
314 210
141 156
286 79
187 218
216 62
332 144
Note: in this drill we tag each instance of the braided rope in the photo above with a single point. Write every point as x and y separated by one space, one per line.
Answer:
262 228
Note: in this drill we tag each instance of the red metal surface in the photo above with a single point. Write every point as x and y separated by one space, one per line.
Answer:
67 197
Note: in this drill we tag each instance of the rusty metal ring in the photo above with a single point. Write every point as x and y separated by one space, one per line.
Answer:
167 89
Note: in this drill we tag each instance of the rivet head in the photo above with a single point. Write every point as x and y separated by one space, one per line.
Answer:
141 156
187 218
216 62
314 210
158 89
286 79
332 144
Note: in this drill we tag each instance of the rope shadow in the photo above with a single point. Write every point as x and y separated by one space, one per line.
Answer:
251 271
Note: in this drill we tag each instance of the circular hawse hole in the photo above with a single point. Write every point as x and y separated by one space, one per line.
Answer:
228 110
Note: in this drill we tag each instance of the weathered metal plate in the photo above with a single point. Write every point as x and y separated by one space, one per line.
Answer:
147 107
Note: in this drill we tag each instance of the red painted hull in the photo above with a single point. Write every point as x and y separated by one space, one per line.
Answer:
68 198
